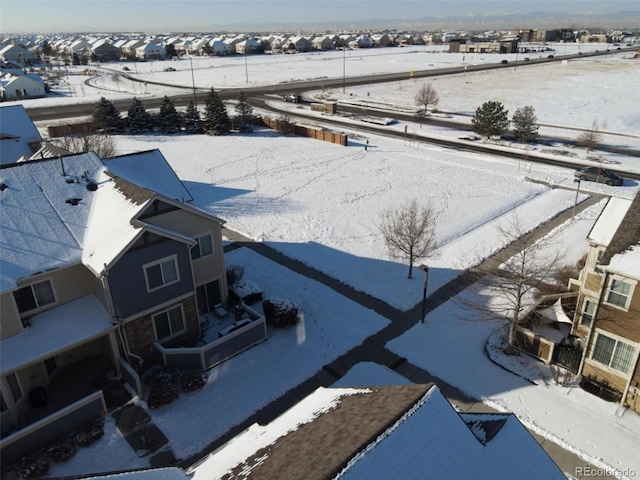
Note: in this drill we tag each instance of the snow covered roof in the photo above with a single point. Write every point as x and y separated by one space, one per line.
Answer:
608 221
69 210
167 473
150 170
16 132
55 330
399 431
623 252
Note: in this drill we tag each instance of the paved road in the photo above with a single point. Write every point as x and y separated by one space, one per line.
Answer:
373 348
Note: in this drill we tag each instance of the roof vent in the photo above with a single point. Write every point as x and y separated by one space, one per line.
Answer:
3 187
69 179
73 201
92 186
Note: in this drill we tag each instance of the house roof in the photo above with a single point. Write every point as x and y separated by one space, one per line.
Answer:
17 132
150 170
623 252
167 473
608 221
399 431
55 330
44 228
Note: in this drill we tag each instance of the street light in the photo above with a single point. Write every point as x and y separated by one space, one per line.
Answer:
193 82
344 67
425 269
575 202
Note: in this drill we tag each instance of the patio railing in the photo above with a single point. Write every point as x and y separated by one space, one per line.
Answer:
234 340
52 427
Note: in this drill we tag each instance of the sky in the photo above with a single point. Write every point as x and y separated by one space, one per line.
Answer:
187 15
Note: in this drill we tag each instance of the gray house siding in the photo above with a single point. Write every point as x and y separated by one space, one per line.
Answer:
128 283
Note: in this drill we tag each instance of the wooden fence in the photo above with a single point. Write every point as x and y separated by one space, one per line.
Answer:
302 131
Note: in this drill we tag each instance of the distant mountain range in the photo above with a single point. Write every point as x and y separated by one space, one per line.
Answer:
489 21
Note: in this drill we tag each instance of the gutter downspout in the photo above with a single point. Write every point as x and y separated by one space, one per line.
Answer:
596 311
115 320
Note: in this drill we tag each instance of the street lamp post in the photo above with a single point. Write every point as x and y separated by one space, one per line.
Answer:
425 269
193 82
344 67
575 202
246 68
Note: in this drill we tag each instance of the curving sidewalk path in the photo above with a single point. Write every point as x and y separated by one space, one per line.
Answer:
374 349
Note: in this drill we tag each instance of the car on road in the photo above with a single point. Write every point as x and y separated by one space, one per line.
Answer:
526 59
549 56
169 69
292 98
125 68
504 62
600 175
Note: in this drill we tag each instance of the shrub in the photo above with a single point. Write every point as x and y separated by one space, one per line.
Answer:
32 466
248 292
234 274
191 381
62 450
280 313
90 433
161 394
163 388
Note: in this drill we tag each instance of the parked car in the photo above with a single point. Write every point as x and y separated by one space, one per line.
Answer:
125 68
504 62
169 69
600 175
526 59
549 56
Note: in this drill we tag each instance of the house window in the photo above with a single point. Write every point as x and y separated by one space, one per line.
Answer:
34 296
587 313
14 387
613 353
619 293
50 365
162 273
169 323
203 248
208 296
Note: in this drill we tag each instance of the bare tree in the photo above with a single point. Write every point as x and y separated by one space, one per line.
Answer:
426 96
590 139
103 145
533 263
409 231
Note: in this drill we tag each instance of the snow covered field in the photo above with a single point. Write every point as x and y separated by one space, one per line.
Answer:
321 203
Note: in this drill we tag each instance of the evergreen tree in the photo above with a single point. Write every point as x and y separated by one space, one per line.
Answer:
490 119
216 119
244 114
192 121
139 118
168 119
170 51
525 124
105 117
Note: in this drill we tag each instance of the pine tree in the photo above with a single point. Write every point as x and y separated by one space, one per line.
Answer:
168 119
490 119
244 114
525 124
192 121
216 119
105 117
139 118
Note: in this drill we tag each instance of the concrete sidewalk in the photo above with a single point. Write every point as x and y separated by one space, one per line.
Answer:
373 348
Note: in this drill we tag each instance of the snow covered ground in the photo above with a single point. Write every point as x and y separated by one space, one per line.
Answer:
321 203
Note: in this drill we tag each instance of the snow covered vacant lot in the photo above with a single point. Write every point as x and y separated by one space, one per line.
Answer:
321 203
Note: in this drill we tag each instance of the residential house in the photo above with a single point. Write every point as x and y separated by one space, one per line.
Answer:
129 48
323 42
362 41
396 431
17 53
219 47
606 322
104 51
20 87
248 46
381 40
98 273
150 51
19 137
